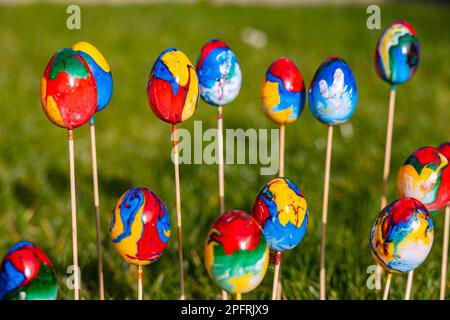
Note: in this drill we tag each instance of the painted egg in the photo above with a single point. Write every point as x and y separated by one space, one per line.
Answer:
236 252
402 235
421 177
101 71
282 211
68 90
26 273
445 150
398 53
283 92
333 94
140 226
219 73
172 89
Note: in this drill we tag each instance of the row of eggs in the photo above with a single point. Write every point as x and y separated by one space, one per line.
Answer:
77 82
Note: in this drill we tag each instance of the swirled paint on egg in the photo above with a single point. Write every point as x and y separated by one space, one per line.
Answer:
140 226
26 273
333 94
100 70
282 211
402 235
236 252
172 88
68 90
422 177
283 92
219 73
398 53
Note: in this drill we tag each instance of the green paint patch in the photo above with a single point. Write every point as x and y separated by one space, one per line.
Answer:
67 60
43 287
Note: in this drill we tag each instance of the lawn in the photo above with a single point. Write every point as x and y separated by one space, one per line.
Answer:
134 146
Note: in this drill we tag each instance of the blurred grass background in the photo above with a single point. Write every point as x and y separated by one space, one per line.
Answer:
134 147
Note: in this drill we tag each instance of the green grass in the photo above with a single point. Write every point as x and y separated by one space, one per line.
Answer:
134 147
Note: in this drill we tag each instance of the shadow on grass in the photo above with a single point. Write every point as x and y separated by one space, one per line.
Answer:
24 193
114 186
58 180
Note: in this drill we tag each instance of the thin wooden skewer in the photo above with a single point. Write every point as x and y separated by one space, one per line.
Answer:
73 204
445 254
140 277
387 154
326 187
97 210
178 203
409 283
221 161
238 296
221 170
279 287
387 286
282 138
276 275
387 164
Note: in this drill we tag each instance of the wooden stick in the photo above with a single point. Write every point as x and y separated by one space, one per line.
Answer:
97 210
238 296
221 161
178 202
409 285
387 153
224 295
282 136
140 277
73 205
387 164
444 254
326 187
279 287
221 171
276 275
387 286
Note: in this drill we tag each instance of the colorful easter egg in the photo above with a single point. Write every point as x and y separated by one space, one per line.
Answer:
445 150
140 226
68 90
219 73
333 94
283 92
282 211
398 53
421 177
402 235
172 89
100 70
236 252
26 273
